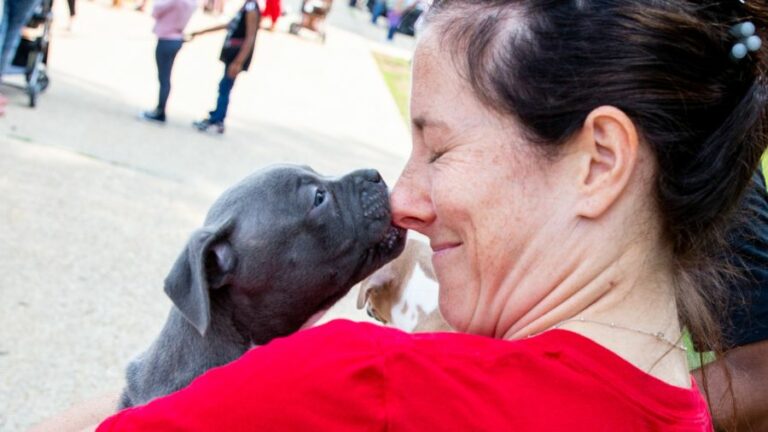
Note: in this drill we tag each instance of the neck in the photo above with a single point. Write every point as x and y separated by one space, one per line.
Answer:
631 287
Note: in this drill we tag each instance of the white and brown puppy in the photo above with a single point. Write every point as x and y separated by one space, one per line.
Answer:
404 293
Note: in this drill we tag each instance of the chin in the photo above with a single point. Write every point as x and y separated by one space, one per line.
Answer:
454 307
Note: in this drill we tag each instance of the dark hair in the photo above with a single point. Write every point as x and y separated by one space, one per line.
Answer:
666 64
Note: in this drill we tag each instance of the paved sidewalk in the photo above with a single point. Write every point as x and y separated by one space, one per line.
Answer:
96 205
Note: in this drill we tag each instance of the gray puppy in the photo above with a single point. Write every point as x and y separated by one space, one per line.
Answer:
276 249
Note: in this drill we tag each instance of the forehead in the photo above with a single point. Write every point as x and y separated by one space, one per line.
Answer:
289 176
266 184
441 94
434 71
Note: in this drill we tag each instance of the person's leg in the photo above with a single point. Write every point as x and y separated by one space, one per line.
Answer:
378 10
20 12
222 103
165 54
216 117
72 12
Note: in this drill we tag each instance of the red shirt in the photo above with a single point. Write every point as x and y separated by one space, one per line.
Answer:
346 376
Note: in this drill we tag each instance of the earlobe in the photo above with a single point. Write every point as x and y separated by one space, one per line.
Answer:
609 143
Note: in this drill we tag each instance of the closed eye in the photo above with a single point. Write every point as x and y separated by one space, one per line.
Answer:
436 155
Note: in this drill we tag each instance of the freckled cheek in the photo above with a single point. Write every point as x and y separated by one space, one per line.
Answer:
451 200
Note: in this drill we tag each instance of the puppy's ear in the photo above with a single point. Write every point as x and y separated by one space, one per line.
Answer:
377 281
206 263
362 296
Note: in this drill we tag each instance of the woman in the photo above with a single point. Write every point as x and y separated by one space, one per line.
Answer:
573 165
171 17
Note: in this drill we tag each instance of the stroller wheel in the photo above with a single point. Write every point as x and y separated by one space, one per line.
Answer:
43 81
294 29
322 36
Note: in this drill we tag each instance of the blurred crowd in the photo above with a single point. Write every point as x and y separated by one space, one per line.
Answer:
171 19
402 16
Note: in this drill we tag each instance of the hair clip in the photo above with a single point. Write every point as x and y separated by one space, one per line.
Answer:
747 40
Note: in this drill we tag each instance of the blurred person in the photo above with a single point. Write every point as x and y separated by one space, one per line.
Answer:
171 17
313 15
72 11
236 54
379 9
272 10
214 6
396 10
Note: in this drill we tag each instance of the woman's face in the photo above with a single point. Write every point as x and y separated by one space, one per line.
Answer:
473 185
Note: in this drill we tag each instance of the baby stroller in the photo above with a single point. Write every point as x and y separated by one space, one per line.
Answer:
313 13
31 57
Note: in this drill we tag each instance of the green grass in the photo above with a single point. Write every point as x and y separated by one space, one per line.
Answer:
397 75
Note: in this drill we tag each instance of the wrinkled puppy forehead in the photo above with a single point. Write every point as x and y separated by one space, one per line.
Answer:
271 189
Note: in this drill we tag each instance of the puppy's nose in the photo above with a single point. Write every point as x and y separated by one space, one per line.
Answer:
370 175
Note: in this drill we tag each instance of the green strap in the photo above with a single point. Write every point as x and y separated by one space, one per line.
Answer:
765 168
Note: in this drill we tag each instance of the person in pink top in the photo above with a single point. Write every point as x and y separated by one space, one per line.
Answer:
171 17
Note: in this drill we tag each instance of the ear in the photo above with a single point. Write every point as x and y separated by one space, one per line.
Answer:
362 296
607 149
377 281
206 263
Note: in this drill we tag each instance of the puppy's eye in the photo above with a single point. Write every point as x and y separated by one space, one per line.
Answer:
319 197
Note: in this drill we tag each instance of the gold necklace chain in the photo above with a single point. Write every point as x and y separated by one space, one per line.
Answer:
658 335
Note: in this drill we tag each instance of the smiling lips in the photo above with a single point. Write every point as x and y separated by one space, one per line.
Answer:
442 248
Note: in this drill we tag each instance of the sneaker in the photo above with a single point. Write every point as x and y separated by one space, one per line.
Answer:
153 116
209 126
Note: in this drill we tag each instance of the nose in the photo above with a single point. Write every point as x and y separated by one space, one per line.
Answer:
411 203
368 175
